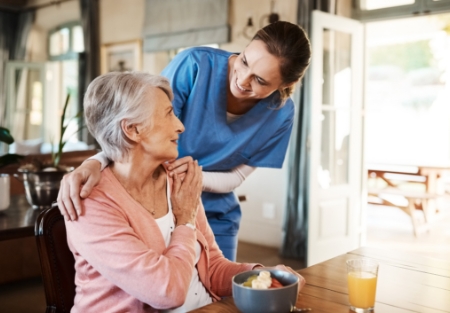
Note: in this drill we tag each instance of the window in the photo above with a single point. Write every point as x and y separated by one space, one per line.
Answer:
380 4
371 10
65 42
407 90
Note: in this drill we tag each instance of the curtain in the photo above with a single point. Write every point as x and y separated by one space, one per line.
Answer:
182 23
14 31
89 61
8 22
19 52
295 235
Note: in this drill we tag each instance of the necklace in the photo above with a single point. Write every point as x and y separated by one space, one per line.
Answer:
137 196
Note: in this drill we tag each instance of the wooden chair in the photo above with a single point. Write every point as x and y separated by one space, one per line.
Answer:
57 261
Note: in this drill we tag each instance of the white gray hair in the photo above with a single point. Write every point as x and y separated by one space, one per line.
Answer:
113 97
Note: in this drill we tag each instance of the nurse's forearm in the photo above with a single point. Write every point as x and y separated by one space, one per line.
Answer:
223 182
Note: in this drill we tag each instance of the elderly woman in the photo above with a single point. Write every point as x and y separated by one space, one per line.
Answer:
144 244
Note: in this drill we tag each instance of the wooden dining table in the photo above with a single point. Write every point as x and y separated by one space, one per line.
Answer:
406 283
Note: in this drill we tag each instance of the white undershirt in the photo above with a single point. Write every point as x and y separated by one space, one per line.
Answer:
232 117
224 182
197 295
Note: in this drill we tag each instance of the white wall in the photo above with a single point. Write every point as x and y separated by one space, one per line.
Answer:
121 20
241 10
50 17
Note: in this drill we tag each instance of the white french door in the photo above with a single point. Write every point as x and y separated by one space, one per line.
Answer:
336 149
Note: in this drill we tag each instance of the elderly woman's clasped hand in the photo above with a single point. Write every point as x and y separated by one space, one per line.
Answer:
186 194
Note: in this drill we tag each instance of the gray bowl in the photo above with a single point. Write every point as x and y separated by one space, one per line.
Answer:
276 300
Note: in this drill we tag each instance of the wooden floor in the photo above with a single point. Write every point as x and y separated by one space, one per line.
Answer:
250 253
28 296
390 228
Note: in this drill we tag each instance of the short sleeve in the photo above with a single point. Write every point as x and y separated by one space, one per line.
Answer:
273 152
181 73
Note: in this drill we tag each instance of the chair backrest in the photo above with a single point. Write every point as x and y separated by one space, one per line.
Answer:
57 261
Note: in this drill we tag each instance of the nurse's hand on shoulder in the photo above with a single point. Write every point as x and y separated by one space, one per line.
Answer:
85 177
186 194
178 166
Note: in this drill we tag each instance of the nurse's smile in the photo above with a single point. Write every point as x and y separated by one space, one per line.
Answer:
240 87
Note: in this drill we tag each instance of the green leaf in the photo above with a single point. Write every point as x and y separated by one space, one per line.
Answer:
56 155
5 136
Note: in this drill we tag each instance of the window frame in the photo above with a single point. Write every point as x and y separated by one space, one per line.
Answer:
419 7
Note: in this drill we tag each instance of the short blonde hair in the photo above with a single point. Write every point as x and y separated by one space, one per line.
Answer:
117 96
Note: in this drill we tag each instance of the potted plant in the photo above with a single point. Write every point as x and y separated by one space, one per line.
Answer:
8 158
42 179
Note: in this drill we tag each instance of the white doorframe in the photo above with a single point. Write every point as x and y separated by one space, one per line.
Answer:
334 211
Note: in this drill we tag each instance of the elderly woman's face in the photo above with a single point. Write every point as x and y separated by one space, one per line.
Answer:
160 136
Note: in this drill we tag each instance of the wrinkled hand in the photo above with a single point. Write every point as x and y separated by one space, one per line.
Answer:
178 167
186 194
86 175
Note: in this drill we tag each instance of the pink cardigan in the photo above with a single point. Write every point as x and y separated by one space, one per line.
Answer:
122 263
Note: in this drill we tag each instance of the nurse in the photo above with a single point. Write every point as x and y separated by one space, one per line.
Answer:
237 114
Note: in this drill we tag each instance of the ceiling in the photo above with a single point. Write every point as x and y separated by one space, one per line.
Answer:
13 4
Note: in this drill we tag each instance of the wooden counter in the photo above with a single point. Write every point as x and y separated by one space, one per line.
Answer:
19 257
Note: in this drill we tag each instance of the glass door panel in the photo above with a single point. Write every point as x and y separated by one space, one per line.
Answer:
334 158
337 74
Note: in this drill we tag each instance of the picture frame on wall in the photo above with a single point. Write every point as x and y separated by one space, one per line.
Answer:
121 56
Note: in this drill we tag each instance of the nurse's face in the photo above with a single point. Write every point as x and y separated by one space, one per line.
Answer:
159 137
255 73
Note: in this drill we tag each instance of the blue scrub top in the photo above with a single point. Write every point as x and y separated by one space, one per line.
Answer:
259 138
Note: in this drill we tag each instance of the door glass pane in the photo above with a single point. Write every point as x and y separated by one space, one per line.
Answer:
334 159
337 75
381 4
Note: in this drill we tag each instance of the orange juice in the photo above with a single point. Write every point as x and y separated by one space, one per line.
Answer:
361 289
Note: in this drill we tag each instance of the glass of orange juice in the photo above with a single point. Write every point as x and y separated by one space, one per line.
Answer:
362 284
